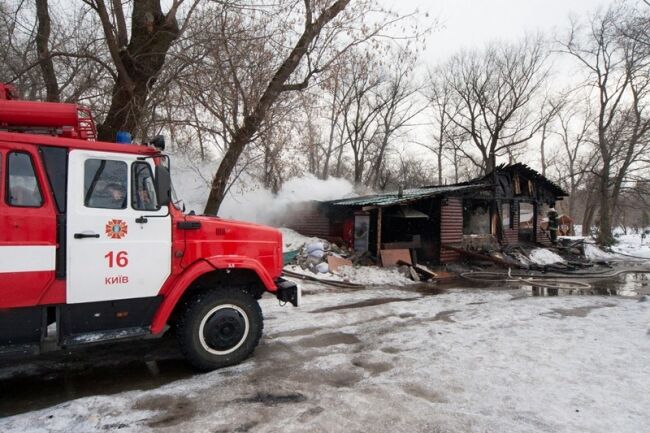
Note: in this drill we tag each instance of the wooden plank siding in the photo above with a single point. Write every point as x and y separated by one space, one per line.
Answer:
541 236
511 235
451 228
309 221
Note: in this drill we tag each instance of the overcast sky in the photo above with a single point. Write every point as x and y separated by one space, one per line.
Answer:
474 23
471 23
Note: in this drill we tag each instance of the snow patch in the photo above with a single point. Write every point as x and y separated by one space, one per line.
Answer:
542 256
633 245
292 240
592 252
365 275
373 275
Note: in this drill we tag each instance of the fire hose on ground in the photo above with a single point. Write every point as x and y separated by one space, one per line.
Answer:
547 281
334 283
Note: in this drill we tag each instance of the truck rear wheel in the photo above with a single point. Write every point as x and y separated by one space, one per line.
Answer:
218 328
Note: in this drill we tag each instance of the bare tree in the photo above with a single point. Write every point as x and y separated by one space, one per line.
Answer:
309 132
496 89
314 45
577 160
360 113
446 135
333 85
548 111
325 31
398 105
618 72
636 25
409 171
79 63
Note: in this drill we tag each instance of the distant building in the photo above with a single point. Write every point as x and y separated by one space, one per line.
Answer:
505 207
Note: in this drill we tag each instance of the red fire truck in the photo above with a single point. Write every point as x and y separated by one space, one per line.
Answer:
91 241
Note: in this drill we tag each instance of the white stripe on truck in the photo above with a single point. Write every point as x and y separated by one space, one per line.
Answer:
27 258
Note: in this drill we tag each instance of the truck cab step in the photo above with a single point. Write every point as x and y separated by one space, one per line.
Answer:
102 336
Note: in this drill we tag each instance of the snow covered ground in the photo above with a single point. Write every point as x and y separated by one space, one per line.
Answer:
633 245
387 360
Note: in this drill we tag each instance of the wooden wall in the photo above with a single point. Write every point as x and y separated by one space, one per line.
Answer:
451 228
541 236
308 219
511 235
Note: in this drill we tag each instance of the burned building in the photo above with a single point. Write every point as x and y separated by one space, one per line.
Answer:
435 223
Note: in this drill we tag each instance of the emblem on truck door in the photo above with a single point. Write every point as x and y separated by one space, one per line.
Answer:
116 229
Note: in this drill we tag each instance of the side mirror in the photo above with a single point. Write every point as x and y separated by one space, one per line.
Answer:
158 142
163 183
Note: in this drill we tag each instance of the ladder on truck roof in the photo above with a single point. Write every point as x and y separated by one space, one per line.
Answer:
48 118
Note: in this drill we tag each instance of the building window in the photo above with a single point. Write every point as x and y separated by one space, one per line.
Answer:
516 184
476 218
105 184
526 215
506 216
22 186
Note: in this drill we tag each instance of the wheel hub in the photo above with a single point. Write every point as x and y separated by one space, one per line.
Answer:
224 329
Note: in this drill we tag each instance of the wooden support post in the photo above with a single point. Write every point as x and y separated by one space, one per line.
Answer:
379 232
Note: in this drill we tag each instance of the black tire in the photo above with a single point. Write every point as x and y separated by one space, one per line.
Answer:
218 328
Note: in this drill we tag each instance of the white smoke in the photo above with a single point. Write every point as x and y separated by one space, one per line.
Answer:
262 206
246 200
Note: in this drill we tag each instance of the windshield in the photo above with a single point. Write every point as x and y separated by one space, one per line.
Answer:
177 202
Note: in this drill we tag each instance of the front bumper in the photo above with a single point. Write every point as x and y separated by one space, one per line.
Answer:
288 291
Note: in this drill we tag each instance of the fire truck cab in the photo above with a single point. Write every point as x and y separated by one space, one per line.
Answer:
91 241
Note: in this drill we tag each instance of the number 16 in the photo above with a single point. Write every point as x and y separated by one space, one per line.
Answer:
120 259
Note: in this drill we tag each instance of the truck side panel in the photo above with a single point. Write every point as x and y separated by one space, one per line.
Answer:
28 234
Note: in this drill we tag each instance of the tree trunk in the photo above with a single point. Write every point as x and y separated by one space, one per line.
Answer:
43 50
588 219
605 223
542 150
220 181
441 145
456 177
373 178
330 138
358 170
439 166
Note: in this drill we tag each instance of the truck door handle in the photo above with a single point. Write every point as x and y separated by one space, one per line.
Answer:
85 235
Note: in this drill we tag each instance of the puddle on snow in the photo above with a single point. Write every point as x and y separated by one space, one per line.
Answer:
61 376
633 285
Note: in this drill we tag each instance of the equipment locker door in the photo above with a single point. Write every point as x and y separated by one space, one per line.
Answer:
119 242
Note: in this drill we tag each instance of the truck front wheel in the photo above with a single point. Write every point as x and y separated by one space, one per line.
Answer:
218 328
